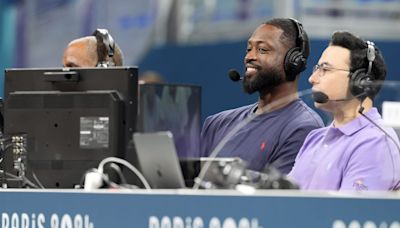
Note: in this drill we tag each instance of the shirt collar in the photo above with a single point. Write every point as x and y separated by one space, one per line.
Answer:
359 123
282 109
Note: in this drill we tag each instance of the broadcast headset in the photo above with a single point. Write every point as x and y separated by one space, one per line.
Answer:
360 80
296 58
105 48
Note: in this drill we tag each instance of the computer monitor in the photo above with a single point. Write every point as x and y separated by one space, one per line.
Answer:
72 118
175 108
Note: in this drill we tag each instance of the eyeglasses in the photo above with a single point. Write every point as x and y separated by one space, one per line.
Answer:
323 68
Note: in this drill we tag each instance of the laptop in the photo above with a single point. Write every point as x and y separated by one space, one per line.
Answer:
158 159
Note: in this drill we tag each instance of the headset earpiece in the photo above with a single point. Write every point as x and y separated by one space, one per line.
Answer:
104 39
360 80
296 58
356 88
294 63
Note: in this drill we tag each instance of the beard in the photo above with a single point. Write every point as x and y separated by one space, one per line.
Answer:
264 81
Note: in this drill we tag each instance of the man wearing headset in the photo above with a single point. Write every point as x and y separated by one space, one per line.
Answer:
97 50
276 53
355 152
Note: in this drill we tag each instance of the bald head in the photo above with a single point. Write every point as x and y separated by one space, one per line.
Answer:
84 52
81 52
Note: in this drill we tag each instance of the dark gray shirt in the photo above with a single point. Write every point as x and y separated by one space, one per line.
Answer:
272 138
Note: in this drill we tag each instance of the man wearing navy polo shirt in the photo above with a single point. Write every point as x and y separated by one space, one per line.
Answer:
276 54
355 152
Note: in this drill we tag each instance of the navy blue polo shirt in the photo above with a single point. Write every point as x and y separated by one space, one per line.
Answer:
273 138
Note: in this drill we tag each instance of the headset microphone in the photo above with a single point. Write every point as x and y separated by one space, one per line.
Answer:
322 98
234 75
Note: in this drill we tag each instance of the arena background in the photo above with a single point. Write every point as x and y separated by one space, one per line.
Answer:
189 41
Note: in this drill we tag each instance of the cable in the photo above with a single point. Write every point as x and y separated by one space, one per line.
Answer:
380 128
116 168
222 143
5 144
107 180
37 180
112 184
387 134
128 165
25 180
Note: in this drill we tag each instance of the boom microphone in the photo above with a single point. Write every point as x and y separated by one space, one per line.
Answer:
366 85
234 75
322 98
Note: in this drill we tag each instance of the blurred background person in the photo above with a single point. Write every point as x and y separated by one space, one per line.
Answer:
175 37
98 50
150 77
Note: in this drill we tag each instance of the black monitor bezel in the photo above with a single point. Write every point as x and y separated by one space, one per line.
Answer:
83 79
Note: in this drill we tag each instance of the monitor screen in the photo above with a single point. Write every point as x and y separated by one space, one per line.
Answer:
175 108
72 118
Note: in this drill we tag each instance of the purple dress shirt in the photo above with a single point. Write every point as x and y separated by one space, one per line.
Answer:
356 156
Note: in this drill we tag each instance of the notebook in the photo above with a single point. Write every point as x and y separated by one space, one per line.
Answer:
158 159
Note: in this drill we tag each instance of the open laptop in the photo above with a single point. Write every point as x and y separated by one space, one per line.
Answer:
158 159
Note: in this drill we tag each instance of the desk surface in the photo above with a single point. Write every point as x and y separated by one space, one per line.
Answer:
194 209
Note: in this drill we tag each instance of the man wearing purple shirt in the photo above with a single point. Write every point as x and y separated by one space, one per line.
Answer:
276 54
355 152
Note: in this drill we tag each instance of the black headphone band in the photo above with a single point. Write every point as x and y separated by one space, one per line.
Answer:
360 79
370 55
301 37
296 57
104 37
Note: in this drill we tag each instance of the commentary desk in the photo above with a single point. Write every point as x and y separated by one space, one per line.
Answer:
194 209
